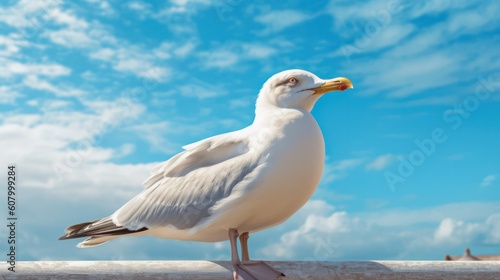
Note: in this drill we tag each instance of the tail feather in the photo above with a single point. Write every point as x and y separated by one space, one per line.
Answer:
77 227
95 241
98 231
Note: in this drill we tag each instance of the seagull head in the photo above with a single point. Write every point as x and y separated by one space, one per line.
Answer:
297 89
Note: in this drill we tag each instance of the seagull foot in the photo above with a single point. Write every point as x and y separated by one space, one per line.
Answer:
255 270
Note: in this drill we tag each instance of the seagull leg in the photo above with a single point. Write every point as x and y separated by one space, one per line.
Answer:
258 270
244 246
235 259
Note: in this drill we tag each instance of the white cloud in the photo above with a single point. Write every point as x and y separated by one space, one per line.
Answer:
446 228
220 58
28 14
60 148
258 50
89 76
392 234
76 32
105 54
454 231
339 169
390 36
469 22
194 87
308 233
418 9
154 135
138 6
381 162
424 101
488 180
137 61
346 164
72 31
185 49
10 68
132 65
232 53
420 42
71 38
163 51
276 21
11 45
104 7
386 75
35 82
124 150
8 95
407 55
115 111
201 92
65 17
241 102
53 105
179 16
349 12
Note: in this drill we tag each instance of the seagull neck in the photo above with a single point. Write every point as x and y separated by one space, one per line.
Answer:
264 115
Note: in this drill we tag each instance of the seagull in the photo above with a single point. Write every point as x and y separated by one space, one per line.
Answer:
233 184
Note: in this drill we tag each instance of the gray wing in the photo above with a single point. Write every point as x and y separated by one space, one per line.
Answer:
182 191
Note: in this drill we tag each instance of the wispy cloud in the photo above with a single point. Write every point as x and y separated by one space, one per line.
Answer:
179 15
136 61
155 135
220 58
74 32
140 7
381 162
10 45
339 169
488 180
277 21
231 54
9 68
28 14
409 52
8 95
104 8
34 82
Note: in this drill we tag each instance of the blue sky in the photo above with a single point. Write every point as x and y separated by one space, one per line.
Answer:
94 93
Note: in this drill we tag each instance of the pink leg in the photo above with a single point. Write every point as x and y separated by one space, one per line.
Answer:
247 269
235 259
244 246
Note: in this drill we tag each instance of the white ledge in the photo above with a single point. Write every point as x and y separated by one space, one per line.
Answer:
208 270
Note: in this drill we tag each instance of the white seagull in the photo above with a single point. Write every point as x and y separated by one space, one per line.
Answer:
238 182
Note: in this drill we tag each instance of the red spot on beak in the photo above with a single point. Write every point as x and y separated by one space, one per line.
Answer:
342 87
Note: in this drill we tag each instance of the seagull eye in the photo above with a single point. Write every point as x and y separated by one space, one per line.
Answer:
293 81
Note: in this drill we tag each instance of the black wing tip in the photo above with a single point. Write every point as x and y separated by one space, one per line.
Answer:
74 230
69 236
81 230
64 237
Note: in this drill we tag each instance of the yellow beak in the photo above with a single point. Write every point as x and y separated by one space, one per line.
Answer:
339 83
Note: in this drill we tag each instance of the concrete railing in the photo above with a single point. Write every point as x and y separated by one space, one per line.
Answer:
208 270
